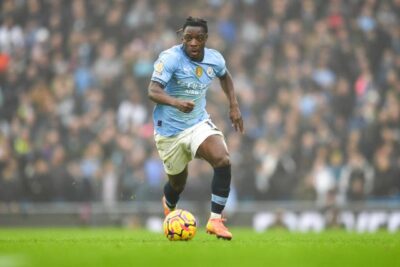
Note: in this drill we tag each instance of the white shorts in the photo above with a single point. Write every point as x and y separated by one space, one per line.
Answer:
176 151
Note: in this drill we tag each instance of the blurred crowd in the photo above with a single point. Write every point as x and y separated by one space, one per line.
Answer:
317 81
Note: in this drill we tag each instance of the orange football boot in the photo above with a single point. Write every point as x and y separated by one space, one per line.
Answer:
217 227
167 210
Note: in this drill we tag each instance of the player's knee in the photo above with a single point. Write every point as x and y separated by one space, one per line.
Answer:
222 161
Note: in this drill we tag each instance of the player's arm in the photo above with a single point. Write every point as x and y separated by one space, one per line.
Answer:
234 110
157 94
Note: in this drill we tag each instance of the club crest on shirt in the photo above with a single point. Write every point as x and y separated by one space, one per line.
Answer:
159 67
210 72
199 71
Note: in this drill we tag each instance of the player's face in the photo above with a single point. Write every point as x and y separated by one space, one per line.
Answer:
194 40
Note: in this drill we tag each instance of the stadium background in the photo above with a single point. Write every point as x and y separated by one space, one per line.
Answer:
318 84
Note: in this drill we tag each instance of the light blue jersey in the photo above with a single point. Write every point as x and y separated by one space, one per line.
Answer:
184 79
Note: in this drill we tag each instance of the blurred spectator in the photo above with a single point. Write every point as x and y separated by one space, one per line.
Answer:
10 187
356 180
324 181
385 175
131 112
90 169
40 181
109 185
154 172
356 191
62 180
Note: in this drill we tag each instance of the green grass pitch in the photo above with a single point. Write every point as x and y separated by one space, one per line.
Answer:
123 247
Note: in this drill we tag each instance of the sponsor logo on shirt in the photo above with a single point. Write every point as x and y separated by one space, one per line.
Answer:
199 71
193 87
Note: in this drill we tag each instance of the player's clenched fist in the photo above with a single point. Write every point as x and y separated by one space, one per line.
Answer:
185 105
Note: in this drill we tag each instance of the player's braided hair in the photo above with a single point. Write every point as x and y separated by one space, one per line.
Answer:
190 21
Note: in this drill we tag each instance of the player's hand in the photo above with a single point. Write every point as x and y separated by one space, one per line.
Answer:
185 105
236 118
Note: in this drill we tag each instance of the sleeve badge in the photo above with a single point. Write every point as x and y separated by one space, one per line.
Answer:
159 67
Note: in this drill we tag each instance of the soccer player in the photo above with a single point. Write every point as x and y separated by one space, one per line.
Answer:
183 128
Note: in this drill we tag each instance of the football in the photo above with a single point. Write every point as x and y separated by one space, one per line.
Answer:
180 225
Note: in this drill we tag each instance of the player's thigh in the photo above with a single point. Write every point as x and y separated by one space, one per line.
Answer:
173 153
214 150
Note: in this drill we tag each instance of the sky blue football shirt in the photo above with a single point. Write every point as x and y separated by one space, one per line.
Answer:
184 79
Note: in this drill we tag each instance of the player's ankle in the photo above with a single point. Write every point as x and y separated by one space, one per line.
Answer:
215 215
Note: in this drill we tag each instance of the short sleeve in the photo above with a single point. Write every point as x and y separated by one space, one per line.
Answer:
220 68
164 68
